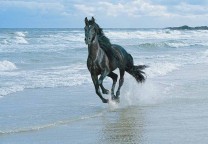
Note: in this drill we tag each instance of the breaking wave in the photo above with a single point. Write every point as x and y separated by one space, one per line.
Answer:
155 34
21 34
169 44
20 38
7 66
158 38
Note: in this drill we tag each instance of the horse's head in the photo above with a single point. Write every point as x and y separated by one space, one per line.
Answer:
90 30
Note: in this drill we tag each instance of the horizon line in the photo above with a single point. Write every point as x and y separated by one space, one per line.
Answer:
102 27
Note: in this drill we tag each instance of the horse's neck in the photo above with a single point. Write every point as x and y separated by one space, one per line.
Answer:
94 49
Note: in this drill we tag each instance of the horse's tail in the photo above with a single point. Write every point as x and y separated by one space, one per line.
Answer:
135 71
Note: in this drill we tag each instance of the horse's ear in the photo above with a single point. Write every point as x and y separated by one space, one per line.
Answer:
86 21
93 20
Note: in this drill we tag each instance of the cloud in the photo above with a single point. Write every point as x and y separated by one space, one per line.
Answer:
87 10
139 8
188 9
130 8
33 5
147 8
117 13
112 9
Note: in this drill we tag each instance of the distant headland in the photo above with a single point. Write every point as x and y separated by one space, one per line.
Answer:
185 27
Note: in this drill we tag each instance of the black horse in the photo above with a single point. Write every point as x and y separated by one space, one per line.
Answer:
104 58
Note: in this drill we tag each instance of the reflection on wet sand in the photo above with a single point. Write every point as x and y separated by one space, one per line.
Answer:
122 126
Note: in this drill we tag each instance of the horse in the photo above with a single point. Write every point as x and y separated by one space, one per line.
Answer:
104 58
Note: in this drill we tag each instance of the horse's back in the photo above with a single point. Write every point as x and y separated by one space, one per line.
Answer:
119 48
122 55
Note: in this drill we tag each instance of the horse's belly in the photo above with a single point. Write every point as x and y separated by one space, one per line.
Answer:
113 65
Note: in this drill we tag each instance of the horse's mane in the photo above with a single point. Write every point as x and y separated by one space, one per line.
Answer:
104 42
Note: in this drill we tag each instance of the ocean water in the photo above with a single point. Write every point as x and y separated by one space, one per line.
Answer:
47 96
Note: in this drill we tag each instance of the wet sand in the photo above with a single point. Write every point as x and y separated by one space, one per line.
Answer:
76 115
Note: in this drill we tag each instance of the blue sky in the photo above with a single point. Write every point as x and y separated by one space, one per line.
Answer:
109 14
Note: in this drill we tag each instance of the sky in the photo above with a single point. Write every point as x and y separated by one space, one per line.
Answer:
108 13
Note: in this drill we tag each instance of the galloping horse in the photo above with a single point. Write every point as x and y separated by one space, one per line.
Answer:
104 58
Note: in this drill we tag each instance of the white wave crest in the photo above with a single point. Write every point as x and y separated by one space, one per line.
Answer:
7 66
21 34
179 44
20 38
9 90
160 35
156 34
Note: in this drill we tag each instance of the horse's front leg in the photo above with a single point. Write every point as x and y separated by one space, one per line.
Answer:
100 81
102 76
97 90
105 91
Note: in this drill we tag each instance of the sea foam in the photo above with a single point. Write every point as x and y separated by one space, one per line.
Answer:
160 69
7 66
11 89
20 38
62 76
148 93
20 34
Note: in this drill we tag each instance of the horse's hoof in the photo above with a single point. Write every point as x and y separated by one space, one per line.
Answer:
117 94
105 91
105 100
115 98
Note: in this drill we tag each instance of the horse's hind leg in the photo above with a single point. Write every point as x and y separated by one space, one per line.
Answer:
114 78
121 80
97 90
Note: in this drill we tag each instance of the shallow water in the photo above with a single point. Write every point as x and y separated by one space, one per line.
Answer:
47 95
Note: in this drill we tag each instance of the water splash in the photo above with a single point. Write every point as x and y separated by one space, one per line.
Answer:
113 105
149 93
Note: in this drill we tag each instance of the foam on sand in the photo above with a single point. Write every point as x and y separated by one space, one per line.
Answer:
49 125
